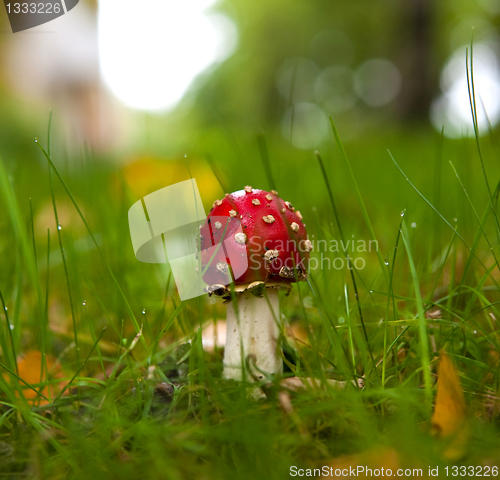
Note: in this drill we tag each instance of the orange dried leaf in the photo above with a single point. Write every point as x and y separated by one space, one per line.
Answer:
449 411
29 366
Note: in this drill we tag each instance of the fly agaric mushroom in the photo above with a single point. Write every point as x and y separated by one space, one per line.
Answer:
263 249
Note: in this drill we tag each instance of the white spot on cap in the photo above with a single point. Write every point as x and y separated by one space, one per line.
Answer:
218 225
271 255
256 201
268 219
298 214
233 213
295 227
248 189
240 238
308 246
222 267
274 191
269 197
217 203
290 206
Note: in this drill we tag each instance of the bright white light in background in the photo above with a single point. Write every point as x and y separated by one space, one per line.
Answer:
151 51
377 81
452 108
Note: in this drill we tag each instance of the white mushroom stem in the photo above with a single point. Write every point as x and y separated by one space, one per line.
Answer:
257 331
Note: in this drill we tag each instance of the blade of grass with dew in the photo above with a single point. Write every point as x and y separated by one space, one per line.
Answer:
389 297
23 381
362 205
437 183
441 216
441 268
472 101
266 163
3 342
47 283
14 212
424 345
81 367
329 326
43 320
481 226
91 328
115 281
477 238
65 266
351 268
162 332
348 315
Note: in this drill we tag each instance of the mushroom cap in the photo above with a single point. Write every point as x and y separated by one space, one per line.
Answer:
262 239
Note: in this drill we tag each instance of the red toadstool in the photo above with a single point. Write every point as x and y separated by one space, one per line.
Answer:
263 246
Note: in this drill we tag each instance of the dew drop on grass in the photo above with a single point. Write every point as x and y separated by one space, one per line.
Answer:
36 140
455 220
5 308
84 302
59 227
386 261
12 327
144 311
341 320
403 213
413 225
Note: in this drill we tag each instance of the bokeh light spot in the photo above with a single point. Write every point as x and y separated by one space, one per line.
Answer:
305 124
377 82
452 109
334 89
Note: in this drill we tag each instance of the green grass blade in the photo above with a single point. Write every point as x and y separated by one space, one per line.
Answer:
81 366
266 163
362 205
23 381
424 340
115 281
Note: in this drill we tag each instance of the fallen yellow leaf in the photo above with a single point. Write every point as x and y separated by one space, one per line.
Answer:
29 367
449 411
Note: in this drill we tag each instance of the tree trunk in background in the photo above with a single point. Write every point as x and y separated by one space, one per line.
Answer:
418 68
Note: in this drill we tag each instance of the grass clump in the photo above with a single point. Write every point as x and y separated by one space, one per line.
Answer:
105 374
